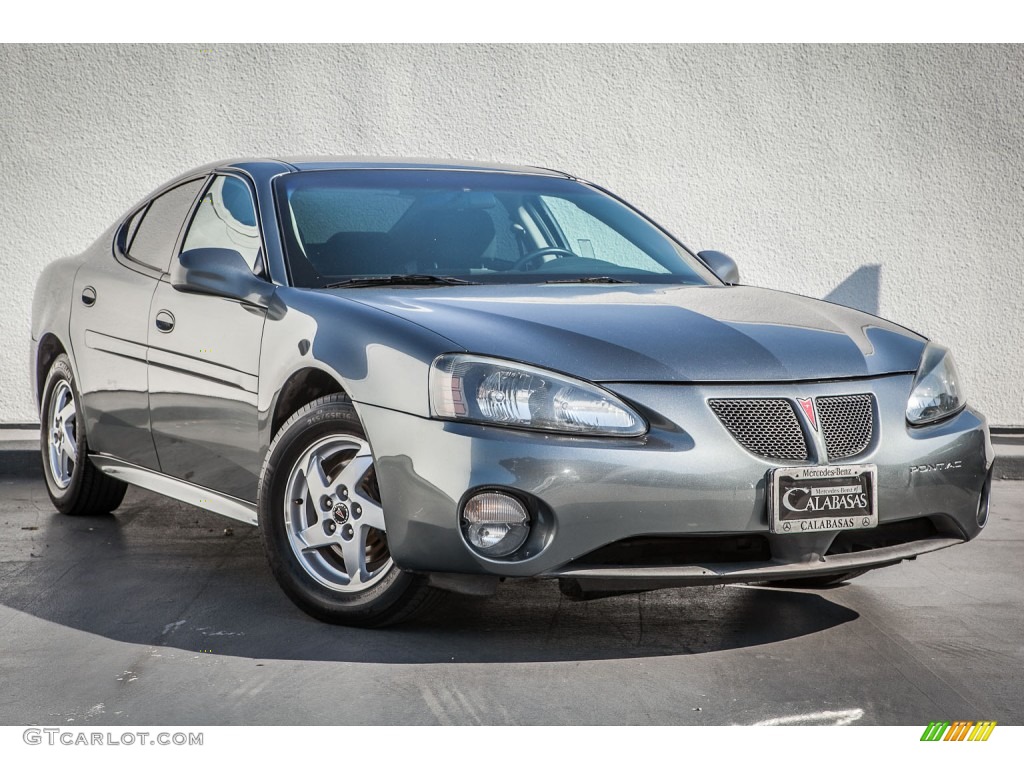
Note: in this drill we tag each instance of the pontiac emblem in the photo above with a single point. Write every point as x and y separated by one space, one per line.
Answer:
807 406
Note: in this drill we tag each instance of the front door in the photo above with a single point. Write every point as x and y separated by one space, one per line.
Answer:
204 355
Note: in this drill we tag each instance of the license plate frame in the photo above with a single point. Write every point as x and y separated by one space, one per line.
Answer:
820 498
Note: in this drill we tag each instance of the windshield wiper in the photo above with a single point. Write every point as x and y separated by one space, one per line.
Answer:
592 279
366 282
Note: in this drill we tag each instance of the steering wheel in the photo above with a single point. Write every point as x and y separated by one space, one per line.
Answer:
540 252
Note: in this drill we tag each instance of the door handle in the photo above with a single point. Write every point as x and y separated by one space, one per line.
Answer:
164 321
88 295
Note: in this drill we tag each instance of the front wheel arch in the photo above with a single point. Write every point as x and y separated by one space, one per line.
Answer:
302 387
394 597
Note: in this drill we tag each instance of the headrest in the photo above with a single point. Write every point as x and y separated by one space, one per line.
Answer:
454 239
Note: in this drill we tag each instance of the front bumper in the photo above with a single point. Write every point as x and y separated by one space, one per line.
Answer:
686 480
618 579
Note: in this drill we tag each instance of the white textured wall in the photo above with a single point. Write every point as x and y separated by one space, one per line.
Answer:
890 178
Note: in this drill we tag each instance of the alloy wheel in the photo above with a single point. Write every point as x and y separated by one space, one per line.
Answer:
62 439
333 515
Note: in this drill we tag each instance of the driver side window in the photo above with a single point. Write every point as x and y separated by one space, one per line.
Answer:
226 218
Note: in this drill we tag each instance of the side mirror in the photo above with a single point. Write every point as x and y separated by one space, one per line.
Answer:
721 265
219 272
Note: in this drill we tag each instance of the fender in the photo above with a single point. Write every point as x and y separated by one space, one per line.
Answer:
51 314
371 374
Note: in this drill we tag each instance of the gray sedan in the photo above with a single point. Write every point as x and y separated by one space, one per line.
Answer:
426 377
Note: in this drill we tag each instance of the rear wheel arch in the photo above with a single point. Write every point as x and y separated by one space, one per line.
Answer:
75 486
50 347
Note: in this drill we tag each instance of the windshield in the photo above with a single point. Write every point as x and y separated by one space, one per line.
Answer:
475 226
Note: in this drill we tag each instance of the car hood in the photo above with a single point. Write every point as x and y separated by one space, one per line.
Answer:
657 333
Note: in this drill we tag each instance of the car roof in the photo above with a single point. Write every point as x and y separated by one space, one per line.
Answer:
335 163
261 165
267 167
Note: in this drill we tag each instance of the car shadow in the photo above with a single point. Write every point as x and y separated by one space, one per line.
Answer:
159 573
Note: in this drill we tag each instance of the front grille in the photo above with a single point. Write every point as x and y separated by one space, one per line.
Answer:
765 426
847 424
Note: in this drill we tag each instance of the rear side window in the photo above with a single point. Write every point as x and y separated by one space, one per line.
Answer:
155 236
132 226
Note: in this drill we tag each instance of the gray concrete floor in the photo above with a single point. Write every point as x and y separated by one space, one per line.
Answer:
155 616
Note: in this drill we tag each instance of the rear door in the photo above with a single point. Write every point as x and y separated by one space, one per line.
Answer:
110 325
204 357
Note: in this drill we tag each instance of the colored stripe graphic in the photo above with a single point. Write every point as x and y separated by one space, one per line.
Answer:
935 730
982 730
958 730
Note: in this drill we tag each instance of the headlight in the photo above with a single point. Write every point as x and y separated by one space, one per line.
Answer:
936 393
489 391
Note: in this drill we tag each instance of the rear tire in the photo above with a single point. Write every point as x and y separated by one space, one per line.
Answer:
75 486
322 522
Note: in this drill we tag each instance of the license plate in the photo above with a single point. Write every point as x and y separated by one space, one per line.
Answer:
815 499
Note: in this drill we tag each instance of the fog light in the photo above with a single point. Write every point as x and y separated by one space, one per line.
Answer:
495 524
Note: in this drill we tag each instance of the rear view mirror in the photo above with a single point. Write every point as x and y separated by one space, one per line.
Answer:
723 266
219 272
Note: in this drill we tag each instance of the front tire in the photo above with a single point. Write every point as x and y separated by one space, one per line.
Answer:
322 522
75 486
